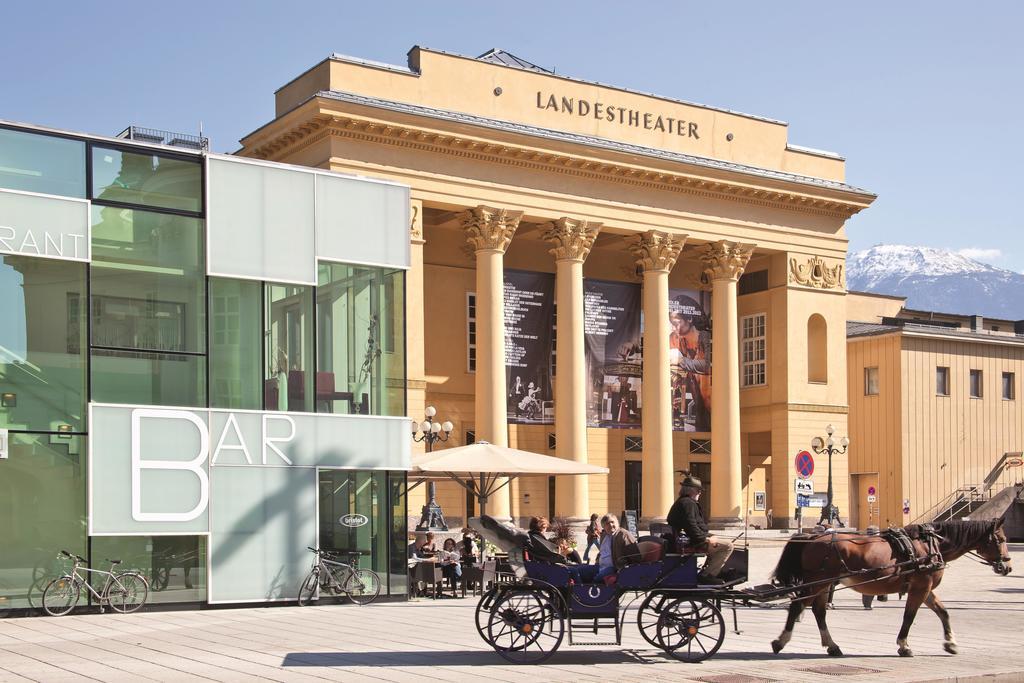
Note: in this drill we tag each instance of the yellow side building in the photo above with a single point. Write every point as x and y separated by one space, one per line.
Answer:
514 168
935 411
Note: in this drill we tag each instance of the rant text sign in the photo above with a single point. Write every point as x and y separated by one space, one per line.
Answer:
44 226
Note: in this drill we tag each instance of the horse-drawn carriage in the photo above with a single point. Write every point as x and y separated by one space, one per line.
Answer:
527 620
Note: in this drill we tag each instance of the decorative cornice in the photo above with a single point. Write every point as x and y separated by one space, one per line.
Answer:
815 272
323 125
724 260
573 239
488 228
657 251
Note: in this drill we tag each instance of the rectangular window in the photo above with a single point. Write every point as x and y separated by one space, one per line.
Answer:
976 384
42 337
142 378
753 365
47 164
360 340
42 510
234 346
175 566
471 331
148 281
288 348
871 381
147 180
700 446
470 437
1009 389
942 381
634 444
551 442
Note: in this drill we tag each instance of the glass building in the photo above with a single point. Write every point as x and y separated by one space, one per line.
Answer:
202 368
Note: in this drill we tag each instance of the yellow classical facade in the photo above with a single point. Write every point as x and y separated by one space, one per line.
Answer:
513 167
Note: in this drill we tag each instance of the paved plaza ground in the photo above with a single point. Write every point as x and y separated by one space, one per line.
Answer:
428 640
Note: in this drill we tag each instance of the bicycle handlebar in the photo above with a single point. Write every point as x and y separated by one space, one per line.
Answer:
68 555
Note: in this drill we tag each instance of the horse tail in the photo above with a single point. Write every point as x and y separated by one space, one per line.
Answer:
789 570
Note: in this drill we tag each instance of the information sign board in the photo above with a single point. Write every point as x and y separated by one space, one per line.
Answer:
803 486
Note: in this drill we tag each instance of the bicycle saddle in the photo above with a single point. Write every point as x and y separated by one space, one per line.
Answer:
114 561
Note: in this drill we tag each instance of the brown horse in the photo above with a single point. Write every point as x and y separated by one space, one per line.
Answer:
867 565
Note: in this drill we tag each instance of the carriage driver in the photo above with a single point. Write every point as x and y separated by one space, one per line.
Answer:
686 517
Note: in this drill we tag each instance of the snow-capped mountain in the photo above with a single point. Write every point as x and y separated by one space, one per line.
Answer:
937 280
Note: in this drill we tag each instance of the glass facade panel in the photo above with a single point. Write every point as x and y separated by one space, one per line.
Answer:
235 337
288 333
140 378
42 511
41 163
148 281
146 179
175 566
360 340
356 495
42 344
398 577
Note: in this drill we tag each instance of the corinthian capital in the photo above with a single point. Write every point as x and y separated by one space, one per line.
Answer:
490 228
725 260
572 238
656 250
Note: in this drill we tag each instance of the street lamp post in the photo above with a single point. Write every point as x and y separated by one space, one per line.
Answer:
830 513
430 432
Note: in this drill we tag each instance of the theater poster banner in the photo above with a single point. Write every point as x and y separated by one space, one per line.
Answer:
529 321
690 357
614 354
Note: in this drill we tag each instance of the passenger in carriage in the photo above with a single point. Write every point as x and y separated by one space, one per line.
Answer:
686 517
540 548
618 548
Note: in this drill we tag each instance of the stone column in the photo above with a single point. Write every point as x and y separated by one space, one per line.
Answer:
489 231
656 252
572 241
723 264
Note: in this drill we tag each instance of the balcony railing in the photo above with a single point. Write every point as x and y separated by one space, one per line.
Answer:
165 137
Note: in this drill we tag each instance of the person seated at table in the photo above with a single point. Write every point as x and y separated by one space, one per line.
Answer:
428 548
449 559
468 547
567 551
618 548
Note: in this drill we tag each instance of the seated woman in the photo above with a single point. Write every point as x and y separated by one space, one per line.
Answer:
540 548
468 547
568 552
450 560
427 548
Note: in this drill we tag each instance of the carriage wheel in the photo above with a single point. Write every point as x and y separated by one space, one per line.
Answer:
648 616
690 630
525 627
484 608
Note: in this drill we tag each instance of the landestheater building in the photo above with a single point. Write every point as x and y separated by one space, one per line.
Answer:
609 276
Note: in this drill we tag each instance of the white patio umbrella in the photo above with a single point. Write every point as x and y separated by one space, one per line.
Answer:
483 468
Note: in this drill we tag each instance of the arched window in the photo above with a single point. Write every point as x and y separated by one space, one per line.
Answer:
817 349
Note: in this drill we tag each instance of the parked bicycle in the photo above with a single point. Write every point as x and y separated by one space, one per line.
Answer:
336 578
124 591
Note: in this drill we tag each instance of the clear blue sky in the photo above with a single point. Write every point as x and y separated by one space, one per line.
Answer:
924 99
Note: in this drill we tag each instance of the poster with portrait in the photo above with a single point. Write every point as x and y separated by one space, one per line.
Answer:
529 321
614 353
690 358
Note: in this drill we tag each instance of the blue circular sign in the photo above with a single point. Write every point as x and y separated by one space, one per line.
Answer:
804 464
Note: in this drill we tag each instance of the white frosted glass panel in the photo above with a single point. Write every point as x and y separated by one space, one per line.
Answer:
260 222
362 222
35 225
262 518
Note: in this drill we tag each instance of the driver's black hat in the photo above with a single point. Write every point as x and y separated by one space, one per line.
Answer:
691 481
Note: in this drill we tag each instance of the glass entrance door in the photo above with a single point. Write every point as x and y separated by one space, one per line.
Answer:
634 486
353 516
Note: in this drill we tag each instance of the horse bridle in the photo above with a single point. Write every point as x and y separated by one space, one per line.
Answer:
998 565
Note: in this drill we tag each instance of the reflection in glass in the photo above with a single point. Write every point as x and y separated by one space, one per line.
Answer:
41 163
175 566
42 511
139 378
42 344
288 340
360 340
354 517
398 578
146 179
235 352
148 280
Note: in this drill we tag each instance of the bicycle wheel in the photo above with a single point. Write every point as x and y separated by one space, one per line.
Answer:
61 595
363 586
127 592
307 591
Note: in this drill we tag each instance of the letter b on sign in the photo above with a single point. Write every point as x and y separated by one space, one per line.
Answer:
195 467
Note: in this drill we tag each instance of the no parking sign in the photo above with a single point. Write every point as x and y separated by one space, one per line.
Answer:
804 464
